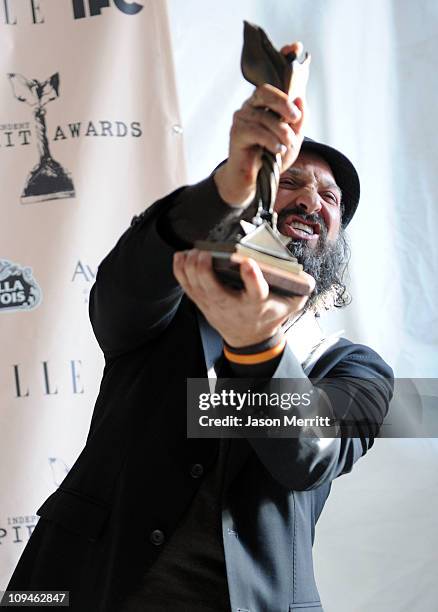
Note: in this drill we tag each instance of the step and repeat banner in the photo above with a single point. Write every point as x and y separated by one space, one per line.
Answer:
89 136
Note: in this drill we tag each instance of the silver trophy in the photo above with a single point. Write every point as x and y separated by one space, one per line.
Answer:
258 236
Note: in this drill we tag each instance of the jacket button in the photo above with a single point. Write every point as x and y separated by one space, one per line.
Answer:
157 537
196 470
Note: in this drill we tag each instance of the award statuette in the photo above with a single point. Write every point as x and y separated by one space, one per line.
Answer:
259 238
48 180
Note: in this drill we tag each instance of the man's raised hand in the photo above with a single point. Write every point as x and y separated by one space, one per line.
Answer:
253 129
242 317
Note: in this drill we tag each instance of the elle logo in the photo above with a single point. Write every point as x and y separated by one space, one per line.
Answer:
9 8
95 7
22 390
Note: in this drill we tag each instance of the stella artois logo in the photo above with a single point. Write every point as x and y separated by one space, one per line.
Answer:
18 288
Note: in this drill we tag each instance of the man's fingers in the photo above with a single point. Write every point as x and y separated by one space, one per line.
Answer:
194 272
310 279
296 48
208 280
190 268
292 153
299 125
297 112
280 129
268 96
256 112
251 133
255 284
179 269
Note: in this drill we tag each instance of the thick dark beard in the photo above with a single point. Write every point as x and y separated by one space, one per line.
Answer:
327 263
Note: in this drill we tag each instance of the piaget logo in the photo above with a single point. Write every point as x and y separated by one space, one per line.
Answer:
84 276
18 289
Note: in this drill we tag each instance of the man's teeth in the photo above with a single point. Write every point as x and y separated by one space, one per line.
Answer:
308 229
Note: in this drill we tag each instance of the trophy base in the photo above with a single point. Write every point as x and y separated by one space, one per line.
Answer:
47 181
226 264
30 199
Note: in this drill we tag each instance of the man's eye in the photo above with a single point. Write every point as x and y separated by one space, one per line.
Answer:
330 196
285 183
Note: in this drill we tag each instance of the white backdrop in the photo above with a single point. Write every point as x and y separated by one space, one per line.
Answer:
373 93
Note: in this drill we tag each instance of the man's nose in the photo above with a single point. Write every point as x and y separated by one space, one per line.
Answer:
309 201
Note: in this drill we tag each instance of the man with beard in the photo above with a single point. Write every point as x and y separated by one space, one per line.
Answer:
148 519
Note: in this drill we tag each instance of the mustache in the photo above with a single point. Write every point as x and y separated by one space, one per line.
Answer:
293 210
310 218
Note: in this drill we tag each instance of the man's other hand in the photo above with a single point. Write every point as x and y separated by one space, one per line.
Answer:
253 129
243 317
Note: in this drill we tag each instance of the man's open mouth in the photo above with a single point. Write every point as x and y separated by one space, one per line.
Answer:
295 227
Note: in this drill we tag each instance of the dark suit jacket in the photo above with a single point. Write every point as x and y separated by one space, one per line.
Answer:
133 477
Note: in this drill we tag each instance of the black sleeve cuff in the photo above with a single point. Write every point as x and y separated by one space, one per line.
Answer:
260 370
